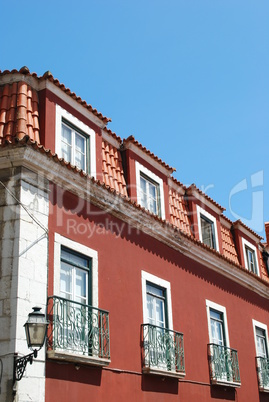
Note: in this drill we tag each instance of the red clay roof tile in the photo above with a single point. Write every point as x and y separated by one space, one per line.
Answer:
18 112
132 140
48 76
228 245
112 168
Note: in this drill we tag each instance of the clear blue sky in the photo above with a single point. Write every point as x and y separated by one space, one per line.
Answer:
188 78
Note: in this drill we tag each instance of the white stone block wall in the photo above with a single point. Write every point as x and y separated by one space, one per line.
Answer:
23 278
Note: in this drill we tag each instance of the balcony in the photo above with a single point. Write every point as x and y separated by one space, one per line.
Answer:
262 365
77 332
162 351
223 365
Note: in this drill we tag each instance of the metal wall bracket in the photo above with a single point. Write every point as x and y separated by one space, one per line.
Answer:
20 365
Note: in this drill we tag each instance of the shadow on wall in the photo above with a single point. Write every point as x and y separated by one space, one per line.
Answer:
159 384
223 393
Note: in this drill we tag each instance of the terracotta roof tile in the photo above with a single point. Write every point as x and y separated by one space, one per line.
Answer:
18 112
193 187
239 222
178 211
228 245
49 77
112 168
132 140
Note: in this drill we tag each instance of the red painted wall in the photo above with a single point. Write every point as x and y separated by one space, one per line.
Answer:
122 255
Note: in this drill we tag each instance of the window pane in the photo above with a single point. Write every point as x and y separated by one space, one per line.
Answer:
66 134
148 195
217 327
66 142
156 305
207 228
251 260
261 342
81 285
66 281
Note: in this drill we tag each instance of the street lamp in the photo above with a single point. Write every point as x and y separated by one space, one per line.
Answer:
36 331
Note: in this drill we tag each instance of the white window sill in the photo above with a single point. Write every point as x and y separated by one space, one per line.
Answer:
163 373
264 389
75 358
226 383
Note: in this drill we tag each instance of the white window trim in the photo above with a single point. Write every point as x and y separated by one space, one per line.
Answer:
142 169
146 277
222 309
201 211
79 248
254 249
62 113
262 326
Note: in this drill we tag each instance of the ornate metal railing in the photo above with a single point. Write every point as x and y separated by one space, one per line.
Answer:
77 328
263 372
223 364
162 349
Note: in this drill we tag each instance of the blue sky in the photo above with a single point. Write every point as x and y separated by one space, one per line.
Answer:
189 79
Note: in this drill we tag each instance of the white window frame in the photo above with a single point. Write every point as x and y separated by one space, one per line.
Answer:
89 132
261 326
146 172
147 277
222 309
60 241
245 244
201 211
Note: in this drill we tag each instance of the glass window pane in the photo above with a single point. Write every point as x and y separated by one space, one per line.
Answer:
66 280
80 143
207 228
81 285
66 134
261 342
156 305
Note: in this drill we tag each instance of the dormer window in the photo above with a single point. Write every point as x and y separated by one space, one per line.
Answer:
251 260
74 146
75 141
207 226
150 191
149 194
208 231
250 257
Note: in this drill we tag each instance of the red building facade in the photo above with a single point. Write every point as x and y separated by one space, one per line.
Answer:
152 294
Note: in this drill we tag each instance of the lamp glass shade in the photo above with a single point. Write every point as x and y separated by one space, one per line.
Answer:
36 328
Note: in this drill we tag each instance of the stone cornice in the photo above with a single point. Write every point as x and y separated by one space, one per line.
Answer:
127 211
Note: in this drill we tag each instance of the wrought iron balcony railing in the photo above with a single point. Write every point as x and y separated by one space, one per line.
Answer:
223 364
77 329
162 351
262 364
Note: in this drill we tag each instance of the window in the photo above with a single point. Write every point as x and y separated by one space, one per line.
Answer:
250 257
75 141
262 361
261 343
217 327
156 305
78 330
208 231
223 361
75 271
207 226
73 146
150 191
75 276
163 350
149 194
